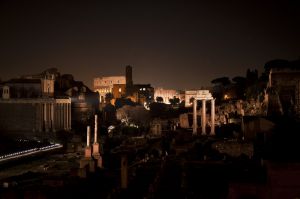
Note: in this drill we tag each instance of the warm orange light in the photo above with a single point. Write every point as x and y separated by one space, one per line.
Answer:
226 96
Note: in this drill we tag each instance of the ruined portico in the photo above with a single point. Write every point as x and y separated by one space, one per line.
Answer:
202 95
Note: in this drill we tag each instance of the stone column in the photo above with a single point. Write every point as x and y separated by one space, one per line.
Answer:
96 145
46 117
195 126
96 129
64 114
41 120
52 117
88 134
70 115
212 113
60 116
203 117
67 117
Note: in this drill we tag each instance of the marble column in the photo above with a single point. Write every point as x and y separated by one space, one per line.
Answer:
212 131
195 126
41 117
88 149
61 118
66 116
203 117
96 129
52 118
46 117
70 115
88 134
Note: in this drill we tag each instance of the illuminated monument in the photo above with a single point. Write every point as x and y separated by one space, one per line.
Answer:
105 85
202 95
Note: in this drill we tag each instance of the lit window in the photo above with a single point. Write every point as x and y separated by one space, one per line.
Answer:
120 90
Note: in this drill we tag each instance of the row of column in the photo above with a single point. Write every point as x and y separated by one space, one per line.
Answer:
55 117
203 117
63 116
47 117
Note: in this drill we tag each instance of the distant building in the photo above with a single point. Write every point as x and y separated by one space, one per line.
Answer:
119 90
129 81
142 93
104 85
123 87
139 93
283 86
45 102
28 105
166 94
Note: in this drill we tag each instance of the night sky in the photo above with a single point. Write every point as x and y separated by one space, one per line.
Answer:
180 45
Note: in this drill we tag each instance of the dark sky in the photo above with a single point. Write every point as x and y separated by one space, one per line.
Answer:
181 45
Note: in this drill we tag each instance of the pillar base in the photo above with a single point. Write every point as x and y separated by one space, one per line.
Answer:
96 148
88 152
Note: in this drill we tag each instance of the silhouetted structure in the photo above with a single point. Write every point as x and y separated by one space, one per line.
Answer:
283 92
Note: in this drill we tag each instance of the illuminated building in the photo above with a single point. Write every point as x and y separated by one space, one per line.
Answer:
143 93
166 94
104 85
119 90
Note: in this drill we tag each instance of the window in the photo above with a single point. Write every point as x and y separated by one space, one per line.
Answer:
120 90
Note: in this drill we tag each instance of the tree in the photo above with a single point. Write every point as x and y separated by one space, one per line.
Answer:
220 87
159 99
108 97
240 86
174 101
224 81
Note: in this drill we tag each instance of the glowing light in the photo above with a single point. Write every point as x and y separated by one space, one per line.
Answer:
226 97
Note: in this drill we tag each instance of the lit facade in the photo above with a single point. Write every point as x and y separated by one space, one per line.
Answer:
166 94
104 85
119 90
142 94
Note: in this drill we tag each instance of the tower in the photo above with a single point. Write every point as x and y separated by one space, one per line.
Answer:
129 82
